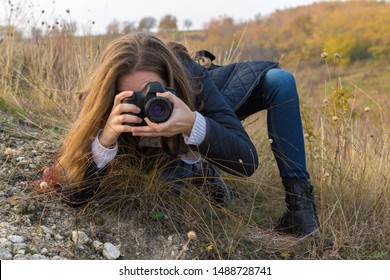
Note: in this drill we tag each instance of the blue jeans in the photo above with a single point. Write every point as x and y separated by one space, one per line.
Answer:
277 93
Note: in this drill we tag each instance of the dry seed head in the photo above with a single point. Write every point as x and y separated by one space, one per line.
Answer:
68 11
9 151
335 118
191 235
270 141
337 56
306 135
325 101
324 55
326 174
367 109
43 185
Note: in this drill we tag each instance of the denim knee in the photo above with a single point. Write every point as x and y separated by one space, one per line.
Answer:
280 86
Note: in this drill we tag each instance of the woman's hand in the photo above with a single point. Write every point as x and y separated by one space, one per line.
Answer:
181 120
115 123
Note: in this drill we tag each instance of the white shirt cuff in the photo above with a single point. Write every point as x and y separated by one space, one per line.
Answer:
102 155
198 131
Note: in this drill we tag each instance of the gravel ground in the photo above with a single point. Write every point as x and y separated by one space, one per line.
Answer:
39 226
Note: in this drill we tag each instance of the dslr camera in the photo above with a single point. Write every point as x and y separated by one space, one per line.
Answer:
157 109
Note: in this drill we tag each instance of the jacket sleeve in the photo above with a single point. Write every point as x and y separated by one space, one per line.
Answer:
226 143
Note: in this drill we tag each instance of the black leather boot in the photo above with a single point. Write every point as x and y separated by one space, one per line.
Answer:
300 217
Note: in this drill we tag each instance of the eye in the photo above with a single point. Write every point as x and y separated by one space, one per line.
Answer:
202 61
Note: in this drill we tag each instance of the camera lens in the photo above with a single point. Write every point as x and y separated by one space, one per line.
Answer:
158 109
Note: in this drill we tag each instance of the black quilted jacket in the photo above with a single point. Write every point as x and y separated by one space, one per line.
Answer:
236 81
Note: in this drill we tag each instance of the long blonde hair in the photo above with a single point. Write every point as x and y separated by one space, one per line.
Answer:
129 53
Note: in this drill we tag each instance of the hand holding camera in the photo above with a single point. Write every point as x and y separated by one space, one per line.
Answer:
165 114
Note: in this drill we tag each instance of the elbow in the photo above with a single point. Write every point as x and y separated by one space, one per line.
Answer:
250 165
248 170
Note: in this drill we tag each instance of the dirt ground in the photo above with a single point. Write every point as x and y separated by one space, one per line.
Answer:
41 226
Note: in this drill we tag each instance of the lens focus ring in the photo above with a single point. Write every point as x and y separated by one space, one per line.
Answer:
158 109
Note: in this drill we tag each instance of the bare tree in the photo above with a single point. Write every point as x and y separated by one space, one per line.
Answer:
168 24
147 23
187 23
128 26
113 28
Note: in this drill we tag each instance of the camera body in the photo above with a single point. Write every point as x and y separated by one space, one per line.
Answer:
156 108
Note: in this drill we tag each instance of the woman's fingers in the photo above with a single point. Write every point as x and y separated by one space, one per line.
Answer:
120 96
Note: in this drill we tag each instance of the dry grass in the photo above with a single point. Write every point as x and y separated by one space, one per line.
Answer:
348 152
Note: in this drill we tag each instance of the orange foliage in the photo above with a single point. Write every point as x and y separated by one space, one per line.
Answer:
357 30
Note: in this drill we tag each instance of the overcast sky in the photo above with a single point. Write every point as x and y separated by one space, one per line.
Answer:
102 12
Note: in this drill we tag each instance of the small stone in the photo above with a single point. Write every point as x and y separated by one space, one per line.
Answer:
21 251
44 251
97 245
15 239
38 257
58 237
79 237
47 230
4 241
58 258
21 257
110 252
5 254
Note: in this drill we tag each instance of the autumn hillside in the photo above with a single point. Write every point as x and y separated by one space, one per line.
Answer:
357 30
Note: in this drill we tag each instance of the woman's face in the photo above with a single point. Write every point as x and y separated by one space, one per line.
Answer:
137 80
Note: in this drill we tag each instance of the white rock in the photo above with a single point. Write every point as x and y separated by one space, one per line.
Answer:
97 245
46 230
111 252
15 239
4 242
21 252
58 237
5 254
79 237
38 257
21 257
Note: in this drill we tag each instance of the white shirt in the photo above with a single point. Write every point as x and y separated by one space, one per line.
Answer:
102 155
